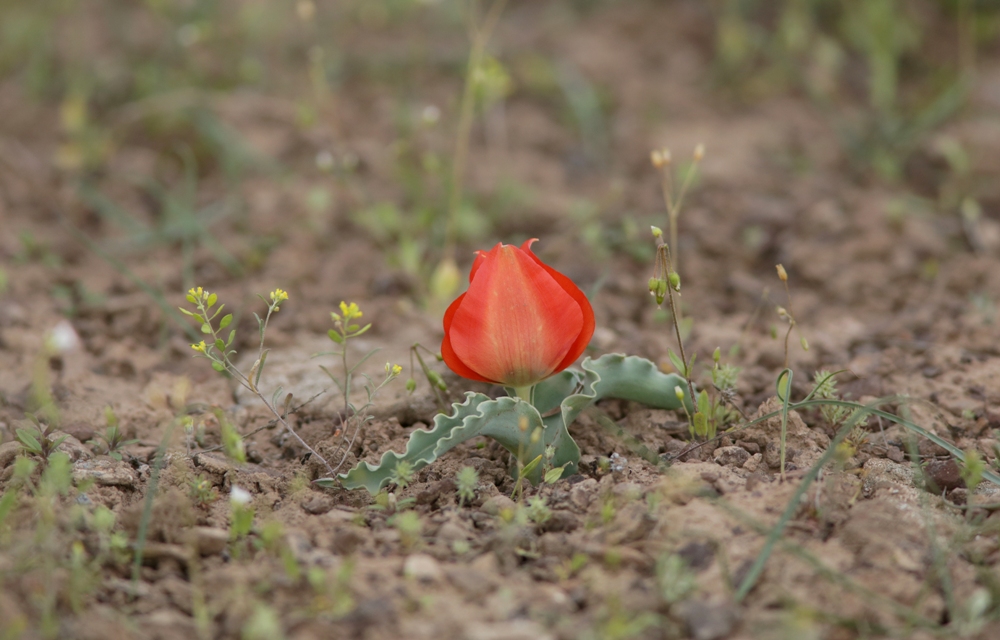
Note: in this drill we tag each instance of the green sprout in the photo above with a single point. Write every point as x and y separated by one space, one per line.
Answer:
538 510
403 474
113 438
826 389
466 480
410 528
39 442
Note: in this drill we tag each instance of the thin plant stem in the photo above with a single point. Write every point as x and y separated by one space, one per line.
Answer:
479 36
248 384
676 321
414 351
791 319
663 163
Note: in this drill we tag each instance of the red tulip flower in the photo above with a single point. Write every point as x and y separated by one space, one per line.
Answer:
520 322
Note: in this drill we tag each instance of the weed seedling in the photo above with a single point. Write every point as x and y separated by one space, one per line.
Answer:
38 442
403 475
675 579
202 492
538 510
466 481
826 388
410 528
113 438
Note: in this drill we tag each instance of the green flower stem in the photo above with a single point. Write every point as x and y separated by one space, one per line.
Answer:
525 393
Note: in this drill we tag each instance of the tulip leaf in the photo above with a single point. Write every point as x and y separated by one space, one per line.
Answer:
511 421
478 415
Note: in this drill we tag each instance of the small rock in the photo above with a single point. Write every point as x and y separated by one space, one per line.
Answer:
707 621
894 453
750 446
213 464
80 430
561 520
451 531
9 451
317 504
519 629
348 538
945 473
731 456
582 493
73 448
209 541
697 555
106 473
423 568
432 493
472 582
879 471
497 504
753 462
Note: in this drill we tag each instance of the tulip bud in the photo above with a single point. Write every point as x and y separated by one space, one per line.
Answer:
782 274
675 280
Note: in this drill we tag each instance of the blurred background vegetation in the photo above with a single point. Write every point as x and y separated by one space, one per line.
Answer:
167 80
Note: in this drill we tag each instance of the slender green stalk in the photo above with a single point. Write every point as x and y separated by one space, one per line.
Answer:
479 36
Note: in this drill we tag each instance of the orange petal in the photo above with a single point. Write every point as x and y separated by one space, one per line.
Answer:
589 323
448 353
516 324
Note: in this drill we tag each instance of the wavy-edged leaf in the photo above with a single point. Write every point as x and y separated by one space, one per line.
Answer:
510 420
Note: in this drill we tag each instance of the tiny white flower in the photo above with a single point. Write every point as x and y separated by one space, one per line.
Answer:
324 160
430 114
63 337
239 496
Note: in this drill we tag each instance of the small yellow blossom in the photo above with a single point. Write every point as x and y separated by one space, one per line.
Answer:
393 369
279 295
350 311
201 347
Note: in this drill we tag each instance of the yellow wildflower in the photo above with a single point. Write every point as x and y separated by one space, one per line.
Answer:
350 311
279 295
201 347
